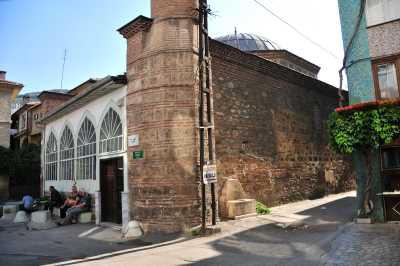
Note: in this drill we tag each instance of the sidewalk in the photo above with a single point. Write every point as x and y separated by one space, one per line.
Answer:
294 234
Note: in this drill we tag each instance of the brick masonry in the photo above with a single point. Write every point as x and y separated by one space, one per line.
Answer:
269 122
161 104
270 131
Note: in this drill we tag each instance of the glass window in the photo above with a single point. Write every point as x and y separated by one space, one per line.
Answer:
86 151
387 79
111 133
51 158
391 158
67 155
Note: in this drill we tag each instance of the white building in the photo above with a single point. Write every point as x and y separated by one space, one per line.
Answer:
84 144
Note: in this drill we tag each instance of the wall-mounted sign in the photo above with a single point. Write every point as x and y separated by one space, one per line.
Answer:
133 140
210 174
137 155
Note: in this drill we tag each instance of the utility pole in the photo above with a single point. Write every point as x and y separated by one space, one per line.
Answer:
63 67
206 117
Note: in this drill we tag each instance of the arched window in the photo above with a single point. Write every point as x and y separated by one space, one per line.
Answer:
111 133
67 155
86 151
51 158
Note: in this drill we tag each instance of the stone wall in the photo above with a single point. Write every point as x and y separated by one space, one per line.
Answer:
271 128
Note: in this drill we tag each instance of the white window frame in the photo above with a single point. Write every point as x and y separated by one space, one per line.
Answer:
86 151
51 158
111 133
67 155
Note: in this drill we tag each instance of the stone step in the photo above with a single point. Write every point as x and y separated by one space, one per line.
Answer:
242 208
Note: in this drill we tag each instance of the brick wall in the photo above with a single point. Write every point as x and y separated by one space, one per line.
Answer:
271 130
161 104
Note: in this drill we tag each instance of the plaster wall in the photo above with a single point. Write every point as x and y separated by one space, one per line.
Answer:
384 39
5 117
95 111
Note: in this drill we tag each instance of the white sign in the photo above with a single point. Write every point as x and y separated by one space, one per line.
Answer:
210 174
133 140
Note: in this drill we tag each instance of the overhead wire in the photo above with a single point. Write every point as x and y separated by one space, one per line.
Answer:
297 30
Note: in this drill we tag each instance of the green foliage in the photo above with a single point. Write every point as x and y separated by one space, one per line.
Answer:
366 129
25 164
261 209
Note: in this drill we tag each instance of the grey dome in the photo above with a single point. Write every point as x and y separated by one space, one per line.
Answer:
248 42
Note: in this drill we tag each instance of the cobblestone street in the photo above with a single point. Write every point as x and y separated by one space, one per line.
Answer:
377 244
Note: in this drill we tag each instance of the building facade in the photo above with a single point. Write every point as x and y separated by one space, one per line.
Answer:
133 140
8 92
25 121
371 38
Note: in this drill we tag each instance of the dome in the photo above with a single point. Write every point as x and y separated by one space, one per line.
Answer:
248 42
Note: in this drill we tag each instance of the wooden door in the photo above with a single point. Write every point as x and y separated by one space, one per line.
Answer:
111 186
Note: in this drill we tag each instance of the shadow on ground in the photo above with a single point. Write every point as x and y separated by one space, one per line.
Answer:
271 245
18 246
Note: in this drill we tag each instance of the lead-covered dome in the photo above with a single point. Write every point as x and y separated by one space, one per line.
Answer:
248 42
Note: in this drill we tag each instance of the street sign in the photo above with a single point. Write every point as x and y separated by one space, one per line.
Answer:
133 140
210 174
137 155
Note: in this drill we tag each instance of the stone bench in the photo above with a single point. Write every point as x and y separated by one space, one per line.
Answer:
242 208
21 217
9 212
56 212
85 218
41 220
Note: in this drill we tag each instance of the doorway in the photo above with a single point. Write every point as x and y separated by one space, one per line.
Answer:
111 186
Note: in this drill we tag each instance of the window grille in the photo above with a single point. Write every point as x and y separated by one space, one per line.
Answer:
111 133
67 155
51 158
86 151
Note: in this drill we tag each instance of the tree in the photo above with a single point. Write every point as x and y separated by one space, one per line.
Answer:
364 131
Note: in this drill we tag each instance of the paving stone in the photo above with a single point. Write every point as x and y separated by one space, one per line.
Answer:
361 244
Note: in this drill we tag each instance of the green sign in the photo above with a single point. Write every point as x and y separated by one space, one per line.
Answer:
136 155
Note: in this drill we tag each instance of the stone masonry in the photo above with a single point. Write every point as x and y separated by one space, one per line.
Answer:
271 130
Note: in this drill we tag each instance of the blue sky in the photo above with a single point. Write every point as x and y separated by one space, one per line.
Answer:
34 34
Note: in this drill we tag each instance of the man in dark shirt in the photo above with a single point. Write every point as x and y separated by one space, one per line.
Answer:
55 199
84 204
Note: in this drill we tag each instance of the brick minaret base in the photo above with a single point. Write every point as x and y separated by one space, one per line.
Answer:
161 109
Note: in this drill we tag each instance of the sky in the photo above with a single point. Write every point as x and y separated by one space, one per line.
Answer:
35 33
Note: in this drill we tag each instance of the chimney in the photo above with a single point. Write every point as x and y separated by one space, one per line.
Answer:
177 8
2 75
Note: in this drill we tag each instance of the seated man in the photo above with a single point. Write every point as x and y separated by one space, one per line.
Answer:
27 204
85 202
55 199
71 201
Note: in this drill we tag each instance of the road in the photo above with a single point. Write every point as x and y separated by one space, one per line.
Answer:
295 234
